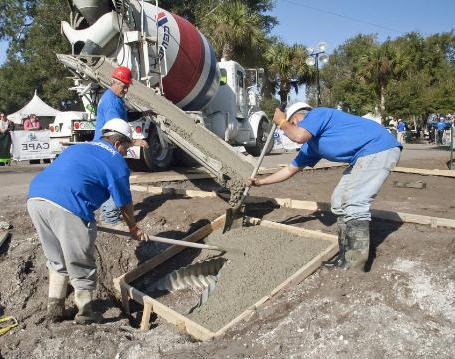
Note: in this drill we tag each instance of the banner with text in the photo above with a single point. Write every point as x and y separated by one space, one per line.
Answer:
31 145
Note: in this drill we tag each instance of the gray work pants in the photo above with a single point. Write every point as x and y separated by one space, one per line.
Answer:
360 184
68 242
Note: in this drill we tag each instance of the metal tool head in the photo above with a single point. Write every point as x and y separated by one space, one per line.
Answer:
235 218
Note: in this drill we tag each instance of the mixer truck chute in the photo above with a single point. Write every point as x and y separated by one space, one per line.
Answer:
168 54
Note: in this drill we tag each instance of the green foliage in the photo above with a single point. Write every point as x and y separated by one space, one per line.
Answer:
233 29
286 67
31 64
410 76
268 105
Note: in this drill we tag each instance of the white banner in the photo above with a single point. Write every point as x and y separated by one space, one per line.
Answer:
31 145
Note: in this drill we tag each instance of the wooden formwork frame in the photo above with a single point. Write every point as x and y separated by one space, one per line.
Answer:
186 325
400 217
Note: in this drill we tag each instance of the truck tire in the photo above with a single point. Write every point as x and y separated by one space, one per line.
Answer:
154 158
263 132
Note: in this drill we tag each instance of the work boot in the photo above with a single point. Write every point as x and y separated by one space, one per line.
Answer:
339 260
58 286
84 302
358 243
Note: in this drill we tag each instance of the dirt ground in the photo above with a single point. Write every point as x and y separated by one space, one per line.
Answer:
404 307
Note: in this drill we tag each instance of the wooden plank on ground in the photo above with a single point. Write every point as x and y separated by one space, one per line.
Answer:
426 172
181 322
400 217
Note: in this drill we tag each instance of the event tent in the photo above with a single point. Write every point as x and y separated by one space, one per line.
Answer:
374 117
35 106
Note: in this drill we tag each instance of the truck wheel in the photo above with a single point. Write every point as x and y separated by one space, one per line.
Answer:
155 158
263 132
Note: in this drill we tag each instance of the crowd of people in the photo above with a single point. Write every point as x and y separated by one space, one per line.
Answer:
434 129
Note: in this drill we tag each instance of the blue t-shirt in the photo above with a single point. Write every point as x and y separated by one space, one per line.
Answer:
441 126
110 106
401 127
341 137
83 177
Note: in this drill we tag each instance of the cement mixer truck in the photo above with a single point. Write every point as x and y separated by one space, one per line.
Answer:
168 55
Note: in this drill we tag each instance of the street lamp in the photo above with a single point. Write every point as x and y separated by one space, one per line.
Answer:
316 55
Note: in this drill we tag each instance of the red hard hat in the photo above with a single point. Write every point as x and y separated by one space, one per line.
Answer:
123 74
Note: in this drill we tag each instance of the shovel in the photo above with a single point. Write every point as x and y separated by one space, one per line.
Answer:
235 214
174 241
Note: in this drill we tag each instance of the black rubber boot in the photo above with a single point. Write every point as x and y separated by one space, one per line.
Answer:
339 260
358 243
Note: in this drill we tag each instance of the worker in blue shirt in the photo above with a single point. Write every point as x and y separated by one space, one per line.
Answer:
111 105
401 131
61 202
371 151
440 126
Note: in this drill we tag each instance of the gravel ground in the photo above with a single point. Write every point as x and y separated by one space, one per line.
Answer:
404 307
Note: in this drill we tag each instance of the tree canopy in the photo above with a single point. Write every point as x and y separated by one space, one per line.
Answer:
410 76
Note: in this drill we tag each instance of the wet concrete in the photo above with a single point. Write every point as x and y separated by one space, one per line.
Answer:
270 257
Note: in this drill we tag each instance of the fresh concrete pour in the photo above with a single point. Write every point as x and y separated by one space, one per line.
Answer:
271 256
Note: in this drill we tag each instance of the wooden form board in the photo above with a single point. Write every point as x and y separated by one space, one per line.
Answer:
170 176
400 217
425 172
186 325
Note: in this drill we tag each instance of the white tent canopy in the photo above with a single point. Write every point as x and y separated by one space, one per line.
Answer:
35 106
373 117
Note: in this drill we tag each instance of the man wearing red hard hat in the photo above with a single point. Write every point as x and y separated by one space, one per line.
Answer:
110 106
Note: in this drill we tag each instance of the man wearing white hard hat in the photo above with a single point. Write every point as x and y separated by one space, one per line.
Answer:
61 202
369 149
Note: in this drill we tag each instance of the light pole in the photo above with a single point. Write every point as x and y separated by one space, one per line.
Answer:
316 55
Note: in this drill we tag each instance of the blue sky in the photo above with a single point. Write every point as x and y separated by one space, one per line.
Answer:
335 21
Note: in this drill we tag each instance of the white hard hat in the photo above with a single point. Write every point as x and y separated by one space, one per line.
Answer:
118 125
296 107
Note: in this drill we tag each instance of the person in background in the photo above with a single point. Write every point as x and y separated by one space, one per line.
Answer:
440 127
32 123
5 139
5 124
112 105
401 131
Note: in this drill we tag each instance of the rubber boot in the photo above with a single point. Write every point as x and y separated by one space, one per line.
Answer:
58 286
84 302
358 243
339 260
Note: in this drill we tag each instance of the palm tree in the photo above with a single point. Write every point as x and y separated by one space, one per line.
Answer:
382 64
231 27
287 68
